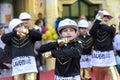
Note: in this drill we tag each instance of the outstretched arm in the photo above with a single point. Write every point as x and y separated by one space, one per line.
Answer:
6 38
74 51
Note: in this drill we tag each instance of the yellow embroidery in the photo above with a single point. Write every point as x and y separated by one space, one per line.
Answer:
63 62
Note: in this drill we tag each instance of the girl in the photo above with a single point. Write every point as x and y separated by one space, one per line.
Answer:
103 59
66 50
21 41
87 43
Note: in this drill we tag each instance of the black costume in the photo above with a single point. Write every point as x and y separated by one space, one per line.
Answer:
67 57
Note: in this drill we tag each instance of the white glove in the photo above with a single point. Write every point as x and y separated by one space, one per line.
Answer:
47 54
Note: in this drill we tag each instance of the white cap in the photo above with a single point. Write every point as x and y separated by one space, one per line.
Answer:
83 24
106 13
24 15
13 23
67 23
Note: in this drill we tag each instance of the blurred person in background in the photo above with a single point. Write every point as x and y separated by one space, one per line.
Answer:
89 21
87 43
3 65
39 58
57 22
25 18
82 17
2 31
116 44
40 17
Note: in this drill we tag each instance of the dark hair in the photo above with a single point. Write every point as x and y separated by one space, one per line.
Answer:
2 25
39 13
64 28
37 22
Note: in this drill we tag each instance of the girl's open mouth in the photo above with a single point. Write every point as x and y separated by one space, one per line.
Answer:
68 36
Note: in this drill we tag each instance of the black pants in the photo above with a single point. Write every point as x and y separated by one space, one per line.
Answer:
38 75
39 58
118 53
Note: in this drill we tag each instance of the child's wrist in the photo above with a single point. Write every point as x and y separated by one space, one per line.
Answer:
99 18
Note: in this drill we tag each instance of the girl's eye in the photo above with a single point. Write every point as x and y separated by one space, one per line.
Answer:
65 30
71 29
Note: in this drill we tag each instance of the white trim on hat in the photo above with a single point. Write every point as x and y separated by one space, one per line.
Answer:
67 23
13 23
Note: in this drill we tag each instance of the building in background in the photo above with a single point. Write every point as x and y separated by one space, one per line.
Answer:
51 9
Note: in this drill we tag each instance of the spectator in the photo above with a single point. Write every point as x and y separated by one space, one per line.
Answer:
82 17
39 57
2 52
116 44
2 31
40 17
57 22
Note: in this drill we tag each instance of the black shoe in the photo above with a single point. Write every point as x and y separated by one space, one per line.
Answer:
89 79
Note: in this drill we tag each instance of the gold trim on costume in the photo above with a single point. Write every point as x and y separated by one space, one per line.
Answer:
113 73
63 62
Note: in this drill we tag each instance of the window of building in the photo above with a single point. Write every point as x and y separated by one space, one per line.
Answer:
78 8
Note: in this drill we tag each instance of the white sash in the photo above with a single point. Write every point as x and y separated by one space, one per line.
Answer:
106 58
23 64
85 61
77 77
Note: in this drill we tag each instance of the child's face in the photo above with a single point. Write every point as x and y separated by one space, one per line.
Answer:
68 33
105 19
26 22
19 27
2 31
40 24
83 31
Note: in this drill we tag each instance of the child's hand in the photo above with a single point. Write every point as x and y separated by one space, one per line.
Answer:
21 35
47 55
100 13
62 41
113 25
25 31
21 32
35 27
35 51
119 17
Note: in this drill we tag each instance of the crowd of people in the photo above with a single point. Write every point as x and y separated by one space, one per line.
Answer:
82 48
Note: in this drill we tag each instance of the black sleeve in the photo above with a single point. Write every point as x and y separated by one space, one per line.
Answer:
107 28
110 29
35 35
1 54
94 28
6 38
74 51
48 47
